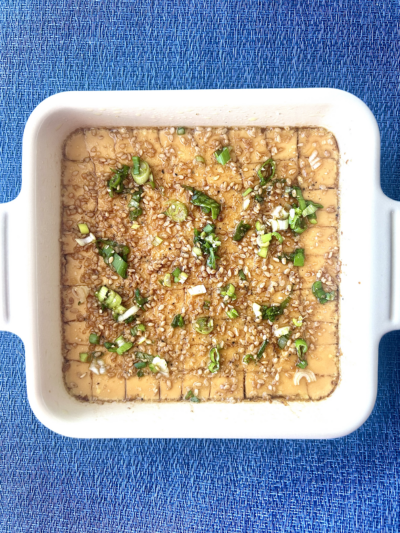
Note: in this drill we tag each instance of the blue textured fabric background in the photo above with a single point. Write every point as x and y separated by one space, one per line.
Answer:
51 484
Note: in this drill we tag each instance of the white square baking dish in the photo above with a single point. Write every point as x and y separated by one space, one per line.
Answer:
370 291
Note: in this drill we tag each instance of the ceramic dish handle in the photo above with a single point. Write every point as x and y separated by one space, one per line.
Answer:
389 268
14 268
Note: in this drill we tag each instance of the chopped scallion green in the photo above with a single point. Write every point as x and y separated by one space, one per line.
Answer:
223 155
178 321
262 348
242 275
177 211
301 347
267 171
94 338
140 300
204 325
232 314
241 229
84 357
322 296
206 203
247 192
135 330
180 131
214 365
200 159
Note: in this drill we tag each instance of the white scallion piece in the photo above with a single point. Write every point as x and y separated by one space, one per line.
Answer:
307 374
157 241
94 368
283 224
257 310
277 211
281 331
195 291
274 225
183 277
128 313
161 365
246 204
87 240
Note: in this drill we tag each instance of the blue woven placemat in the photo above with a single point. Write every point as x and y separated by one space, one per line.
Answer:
49 483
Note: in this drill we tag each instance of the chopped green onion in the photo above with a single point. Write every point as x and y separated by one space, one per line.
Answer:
242 275
135 330
229 291
300 198
134 204
84 229
269 171
183 277
200 159
262 349
152 181
241 229
135 225
247 192
298 322
140 365
120 266
204 325
309 210
191 397
124 348
202 200
136 165
258 198
115 255
157 241
207 241
180 131
102 293
282 331
299 258
259 226
110 346
198 289
176 274
206 304
166 281
127 316
116 183
111 300
209 228
214 365
223 155
246 204
94 338
301 347
302 364
272 312
140 300
263 252
197 251
140 374
248 358
84 357
232 314
322 296
177 211
141 172
178 321
282 341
